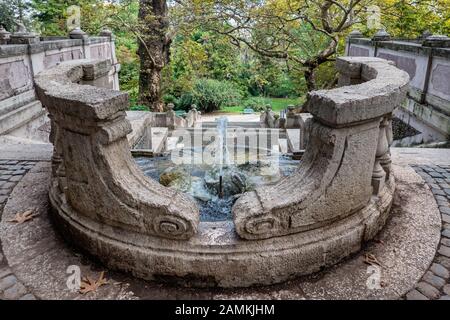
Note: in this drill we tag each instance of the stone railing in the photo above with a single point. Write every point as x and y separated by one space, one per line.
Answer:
338 198
23 55
427 61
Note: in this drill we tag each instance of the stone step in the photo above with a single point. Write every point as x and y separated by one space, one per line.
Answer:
15 102
20 116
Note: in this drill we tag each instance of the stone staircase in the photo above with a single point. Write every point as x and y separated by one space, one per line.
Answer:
18 111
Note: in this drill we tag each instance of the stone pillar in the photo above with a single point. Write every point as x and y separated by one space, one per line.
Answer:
22 36
4 36
269 117
355 34
77 33
292 119
381 35
170 116
116 66
437 41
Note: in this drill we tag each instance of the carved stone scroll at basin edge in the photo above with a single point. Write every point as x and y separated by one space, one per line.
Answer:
339 197
94 173
346 166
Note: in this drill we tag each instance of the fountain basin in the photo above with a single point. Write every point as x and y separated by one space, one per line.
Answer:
338 198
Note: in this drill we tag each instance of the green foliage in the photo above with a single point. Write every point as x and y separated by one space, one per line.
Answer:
277 104
12 10
410 18
256 103
138 107
211 95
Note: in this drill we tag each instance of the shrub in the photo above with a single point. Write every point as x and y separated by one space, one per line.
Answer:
185 101
256 103
211 95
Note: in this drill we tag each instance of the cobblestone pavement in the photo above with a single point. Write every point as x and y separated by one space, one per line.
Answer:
435 284
11 171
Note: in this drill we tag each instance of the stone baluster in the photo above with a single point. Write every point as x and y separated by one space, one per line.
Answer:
379 173
385 160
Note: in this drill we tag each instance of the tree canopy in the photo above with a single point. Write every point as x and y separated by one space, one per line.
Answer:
169 50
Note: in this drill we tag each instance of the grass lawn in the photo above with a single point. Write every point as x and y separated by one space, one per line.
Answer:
277 104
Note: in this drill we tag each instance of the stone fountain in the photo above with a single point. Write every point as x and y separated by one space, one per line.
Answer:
338 198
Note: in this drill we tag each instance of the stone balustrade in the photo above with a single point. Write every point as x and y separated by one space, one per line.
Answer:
23 55
339 197
427 61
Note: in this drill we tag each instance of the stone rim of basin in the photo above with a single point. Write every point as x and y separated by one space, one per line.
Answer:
339 198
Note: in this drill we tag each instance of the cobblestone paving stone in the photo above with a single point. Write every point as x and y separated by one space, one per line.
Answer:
435 283
11 171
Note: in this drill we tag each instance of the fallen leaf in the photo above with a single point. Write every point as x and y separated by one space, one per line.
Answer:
24 216
371 259
89 285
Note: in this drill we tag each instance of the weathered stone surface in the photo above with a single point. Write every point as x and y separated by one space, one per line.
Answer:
346 104
15 292
7 282
446 289
345 170
428 290
415 295
440 270
105 204
434 280
410 238
446 233
446 218
445 209
28 296
445 242
445 251
96 116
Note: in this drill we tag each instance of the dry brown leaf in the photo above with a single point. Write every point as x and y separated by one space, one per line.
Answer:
371 259
24 216
89 285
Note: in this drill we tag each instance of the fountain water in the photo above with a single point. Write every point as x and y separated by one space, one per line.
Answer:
223 156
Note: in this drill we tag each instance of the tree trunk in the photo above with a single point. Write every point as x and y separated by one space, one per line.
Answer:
153 51
310 78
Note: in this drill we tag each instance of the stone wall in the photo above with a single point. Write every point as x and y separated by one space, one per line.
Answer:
427 61
21 114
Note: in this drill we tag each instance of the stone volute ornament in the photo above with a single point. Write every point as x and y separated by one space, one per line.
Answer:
338 198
